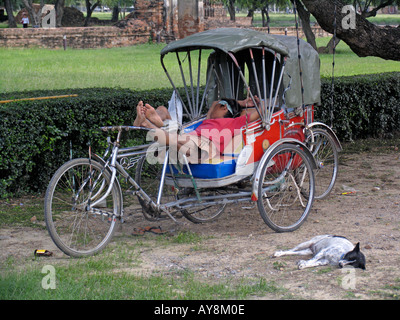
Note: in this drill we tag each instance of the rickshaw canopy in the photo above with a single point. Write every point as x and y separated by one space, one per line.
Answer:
227 40
235 40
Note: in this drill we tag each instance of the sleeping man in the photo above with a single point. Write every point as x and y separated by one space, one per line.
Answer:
224 119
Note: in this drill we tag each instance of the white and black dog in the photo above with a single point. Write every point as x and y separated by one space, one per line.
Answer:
327 249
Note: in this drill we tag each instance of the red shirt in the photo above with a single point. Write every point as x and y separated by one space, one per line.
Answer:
220 131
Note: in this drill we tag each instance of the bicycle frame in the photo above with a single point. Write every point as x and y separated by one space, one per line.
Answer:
113 165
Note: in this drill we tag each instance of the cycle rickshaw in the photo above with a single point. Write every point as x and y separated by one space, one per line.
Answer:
283 161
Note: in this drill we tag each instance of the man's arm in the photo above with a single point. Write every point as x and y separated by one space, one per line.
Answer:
253 114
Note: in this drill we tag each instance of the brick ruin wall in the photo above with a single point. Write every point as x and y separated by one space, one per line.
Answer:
80 38
154 20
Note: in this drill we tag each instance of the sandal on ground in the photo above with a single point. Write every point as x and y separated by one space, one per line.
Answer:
138 232
156 230
141 231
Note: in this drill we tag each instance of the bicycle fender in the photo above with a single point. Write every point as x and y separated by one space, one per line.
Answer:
99 159
257 174
330 132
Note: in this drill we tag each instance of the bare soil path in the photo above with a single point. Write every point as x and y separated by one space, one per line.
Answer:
239 244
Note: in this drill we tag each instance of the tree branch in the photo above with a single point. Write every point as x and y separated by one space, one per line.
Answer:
366 39
372 13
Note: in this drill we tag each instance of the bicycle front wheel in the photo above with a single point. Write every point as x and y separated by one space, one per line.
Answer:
76 227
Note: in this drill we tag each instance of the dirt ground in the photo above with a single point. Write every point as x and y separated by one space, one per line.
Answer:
239 244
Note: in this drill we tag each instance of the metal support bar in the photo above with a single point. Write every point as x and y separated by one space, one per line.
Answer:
173 86
266 114
194 107
198 109
245 83
279 81
184 82
164 168
270 107
257 84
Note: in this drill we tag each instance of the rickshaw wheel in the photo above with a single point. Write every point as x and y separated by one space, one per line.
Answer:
286 188
326 157
206 212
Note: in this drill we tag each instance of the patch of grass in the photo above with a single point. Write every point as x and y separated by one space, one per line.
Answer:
288 20
98 278
187 237
137 67
347 63
324 270
385 146
350 295
279 265
389 291
386 19
21 212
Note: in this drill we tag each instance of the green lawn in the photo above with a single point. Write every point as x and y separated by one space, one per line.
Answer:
132 67
288 20
348 63
136 67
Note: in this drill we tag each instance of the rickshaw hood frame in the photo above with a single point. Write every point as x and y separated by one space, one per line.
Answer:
226 40
303 91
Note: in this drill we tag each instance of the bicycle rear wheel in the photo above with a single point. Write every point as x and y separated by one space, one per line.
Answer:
77 228
286 189
205 212
326 156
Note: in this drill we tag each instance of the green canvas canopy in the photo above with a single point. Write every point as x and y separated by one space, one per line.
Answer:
227 40
237 42
310 65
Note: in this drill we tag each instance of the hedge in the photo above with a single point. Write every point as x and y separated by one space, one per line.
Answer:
364 106
36 137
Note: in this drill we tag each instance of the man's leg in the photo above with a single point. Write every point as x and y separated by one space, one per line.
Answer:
163 113
181 143
157 116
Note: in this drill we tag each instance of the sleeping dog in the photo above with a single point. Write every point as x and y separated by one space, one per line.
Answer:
327 249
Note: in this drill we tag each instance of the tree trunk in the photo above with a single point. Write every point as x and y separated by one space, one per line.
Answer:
231 10
89 11
304 16
59 7
35 17
115 13
365 39
250 13
265 13
329 47
11 20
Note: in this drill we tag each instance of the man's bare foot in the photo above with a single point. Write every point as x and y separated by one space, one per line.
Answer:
140 120
153 116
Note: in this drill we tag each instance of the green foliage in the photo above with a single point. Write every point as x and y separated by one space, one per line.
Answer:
364 106
36 137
